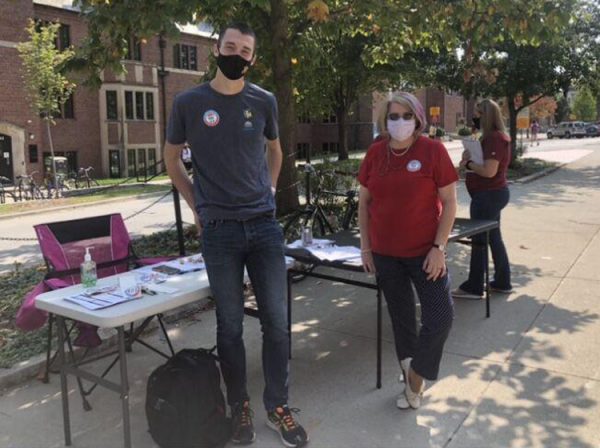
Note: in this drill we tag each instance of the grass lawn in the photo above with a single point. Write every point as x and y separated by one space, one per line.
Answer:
133 190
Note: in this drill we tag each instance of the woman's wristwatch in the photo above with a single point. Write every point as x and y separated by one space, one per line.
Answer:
467 165
441 247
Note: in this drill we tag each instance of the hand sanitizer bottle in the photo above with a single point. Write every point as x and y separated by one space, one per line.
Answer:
88 270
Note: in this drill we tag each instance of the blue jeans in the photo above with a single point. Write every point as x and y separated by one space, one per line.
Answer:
425 342
257 244
488 205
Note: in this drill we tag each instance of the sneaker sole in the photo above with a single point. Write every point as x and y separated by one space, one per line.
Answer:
239 442
275 428
502 291
467 296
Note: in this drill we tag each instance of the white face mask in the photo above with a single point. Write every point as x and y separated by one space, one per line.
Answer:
401 129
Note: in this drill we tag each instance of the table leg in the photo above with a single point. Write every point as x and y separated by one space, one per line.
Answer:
289 312
60 324
378 336
487 274
124 387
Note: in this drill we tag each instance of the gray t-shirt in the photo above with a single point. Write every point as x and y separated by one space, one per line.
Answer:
226 134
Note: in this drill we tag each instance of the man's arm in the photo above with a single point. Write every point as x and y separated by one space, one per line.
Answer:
178 174
274 159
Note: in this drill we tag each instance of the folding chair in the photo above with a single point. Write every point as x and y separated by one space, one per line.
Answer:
63 246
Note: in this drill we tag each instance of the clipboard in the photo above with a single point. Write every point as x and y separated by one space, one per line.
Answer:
475 149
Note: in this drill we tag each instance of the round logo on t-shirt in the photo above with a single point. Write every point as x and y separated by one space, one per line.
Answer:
413 166
211 118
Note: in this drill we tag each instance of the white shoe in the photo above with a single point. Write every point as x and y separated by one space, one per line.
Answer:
409 399
404 366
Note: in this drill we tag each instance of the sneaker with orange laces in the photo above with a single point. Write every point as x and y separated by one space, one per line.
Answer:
291 432
241 424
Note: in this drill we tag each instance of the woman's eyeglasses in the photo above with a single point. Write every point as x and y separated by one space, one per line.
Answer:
405 116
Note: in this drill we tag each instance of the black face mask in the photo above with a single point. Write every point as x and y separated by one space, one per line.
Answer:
477 122
232 66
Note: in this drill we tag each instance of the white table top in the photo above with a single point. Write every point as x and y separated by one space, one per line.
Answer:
190 287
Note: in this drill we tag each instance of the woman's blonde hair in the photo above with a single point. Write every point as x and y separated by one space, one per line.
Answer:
411 103
491 118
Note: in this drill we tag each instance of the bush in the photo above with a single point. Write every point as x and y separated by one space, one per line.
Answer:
439 132
464 132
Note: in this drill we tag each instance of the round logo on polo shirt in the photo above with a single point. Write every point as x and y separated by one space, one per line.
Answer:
413 166
211 118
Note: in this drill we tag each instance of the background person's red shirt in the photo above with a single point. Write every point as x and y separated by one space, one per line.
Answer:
495 146
405 208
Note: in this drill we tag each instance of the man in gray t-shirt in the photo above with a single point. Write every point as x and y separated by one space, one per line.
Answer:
228 123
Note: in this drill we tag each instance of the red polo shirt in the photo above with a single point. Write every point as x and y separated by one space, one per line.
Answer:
405 208
495 146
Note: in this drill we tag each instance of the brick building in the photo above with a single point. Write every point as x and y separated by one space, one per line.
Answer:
118 128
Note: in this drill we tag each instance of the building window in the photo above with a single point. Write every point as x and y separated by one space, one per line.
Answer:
140 103
131 163
33 154
152 161
63 35
111 105
114 156
149 106
185 56
331 118
72 161
301 150
134 49
304 118
67 110
129 105
141 162
331 147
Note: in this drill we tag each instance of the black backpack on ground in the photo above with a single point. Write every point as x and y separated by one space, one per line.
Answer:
185 406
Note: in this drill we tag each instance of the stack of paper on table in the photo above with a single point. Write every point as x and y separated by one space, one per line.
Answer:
97 298
327 250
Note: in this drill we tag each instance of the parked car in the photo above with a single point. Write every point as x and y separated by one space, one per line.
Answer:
592 130
568 129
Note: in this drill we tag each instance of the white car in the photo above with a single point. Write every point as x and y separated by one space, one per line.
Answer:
568 129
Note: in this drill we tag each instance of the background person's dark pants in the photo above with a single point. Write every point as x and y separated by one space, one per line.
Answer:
488 205
257 244
426 345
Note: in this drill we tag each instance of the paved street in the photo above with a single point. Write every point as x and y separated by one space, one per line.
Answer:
526 377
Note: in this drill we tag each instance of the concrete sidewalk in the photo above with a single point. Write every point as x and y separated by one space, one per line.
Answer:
527 377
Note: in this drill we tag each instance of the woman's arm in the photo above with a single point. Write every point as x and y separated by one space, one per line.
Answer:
488 169
435 261
364 198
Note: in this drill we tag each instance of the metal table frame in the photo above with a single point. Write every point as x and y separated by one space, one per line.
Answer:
462 230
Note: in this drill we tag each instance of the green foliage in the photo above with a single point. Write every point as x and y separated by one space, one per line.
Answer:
584 105
16 345
464 132
43 66
440 132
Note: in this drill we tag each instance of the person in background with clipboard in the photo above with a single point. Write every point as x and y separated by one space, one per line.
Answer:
486 161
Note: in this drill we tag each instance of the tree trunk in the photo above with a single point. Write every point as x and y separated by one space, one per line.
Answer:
287 190
342 118
512 122
55 180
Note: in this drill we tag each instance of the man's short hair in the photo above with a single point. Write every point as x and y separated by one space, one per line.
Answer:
242 27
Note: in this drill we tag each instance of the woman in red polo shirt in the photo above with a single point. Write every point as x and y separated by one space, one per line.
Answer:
406 211
489 193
